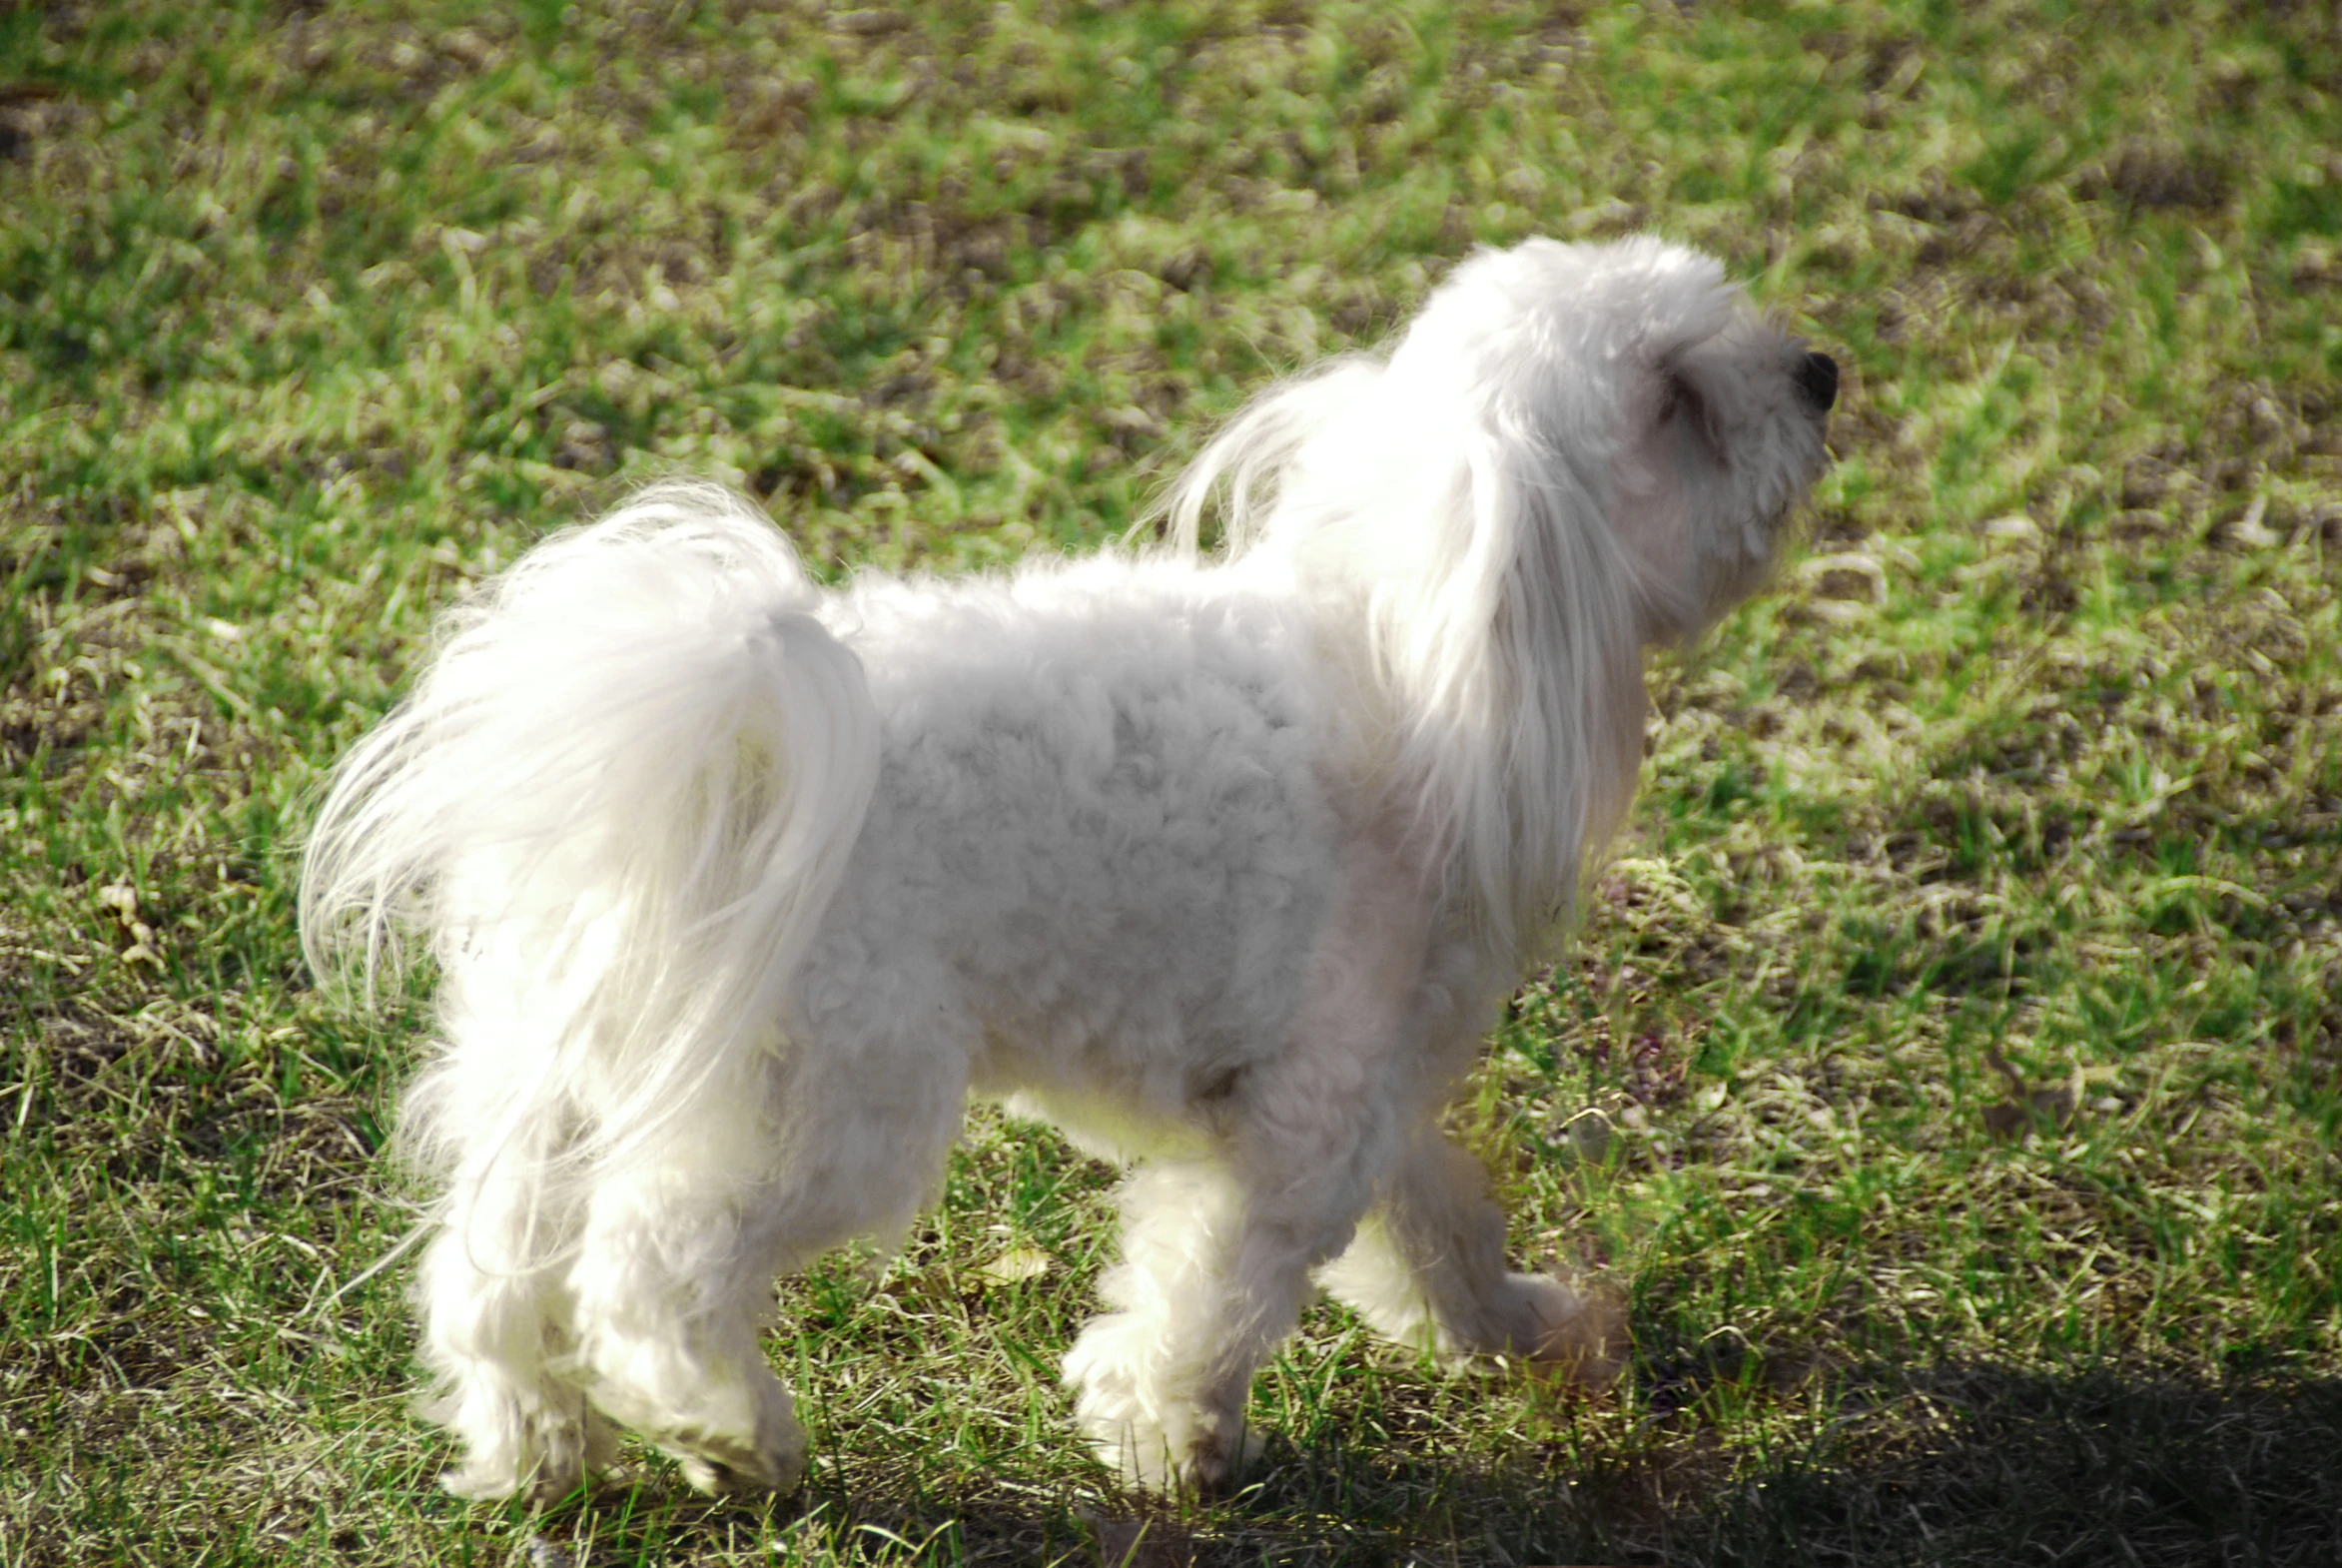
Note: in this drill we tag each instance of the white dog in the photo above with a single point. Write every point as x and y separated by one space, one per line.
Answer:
738 889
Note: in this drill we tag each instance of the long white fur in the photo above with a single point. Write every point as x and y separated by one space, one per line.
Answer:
737 890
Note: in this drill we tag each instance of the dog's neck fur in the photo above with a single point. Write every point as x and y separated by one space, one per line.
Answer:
1495 695
1517 716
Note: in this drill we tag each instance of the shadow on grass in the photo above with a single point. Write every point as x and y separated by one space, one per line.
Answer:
1987 1465
1967 1464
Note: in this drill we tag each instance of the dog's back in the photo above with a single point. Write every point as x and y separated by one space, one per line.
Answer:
1101 838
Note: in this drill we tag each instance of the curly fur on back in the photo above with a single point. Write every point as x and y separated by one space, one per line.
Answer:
738 889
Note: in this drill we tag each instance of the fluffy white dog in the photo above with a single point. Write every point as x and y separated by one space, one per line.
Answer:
738 889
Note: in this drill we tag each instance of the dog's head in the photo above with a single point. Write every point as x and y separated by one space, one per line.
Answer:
1633 375
1574 452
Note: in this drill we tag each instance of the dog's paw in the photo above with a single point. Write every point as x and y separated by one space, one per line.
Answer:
1217 1460
1210 1459
1144 1419
1581 1330
476 1483
553 1480
545 1454
552 1484
722 1465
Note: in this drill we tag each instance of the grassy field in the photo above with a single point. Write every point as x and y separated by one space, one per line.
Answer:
1951 1069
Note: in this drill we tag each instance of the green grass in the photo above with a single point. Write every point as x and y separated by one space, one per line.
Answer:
2034 757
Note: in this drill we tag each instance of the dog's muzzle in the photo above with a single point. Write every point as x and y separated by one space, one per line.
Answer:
1817 379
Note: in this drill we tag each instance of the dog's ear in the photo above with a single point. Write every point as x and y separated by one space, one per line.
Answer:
1676 460
1683 402
1690 301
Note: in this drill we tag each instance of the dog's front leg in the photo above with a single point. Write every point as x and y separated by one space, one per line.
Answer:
1214 1273
1217 1254
1149 1378
1429 1270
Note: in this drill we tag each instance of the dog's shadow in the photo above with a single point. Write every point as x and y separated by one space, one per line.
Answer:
1721 1454
1950 1463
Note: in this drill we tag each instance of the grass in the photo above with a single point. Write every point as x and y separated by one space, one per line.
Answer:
1950 1067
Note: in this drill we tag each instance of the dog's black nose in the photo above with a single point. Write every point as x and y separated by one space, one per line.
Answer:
1817 377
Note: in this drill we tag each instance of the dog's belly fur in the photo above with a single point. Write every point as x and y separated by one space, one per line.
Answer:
1102 874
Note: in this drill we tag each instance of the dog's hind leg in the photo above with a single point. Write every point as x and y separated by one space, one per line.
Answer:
674 1280
672 1289
495 1328
1429 1270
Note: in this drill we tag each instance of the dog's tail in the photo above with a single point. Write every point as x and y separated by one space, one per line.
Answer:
614 810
